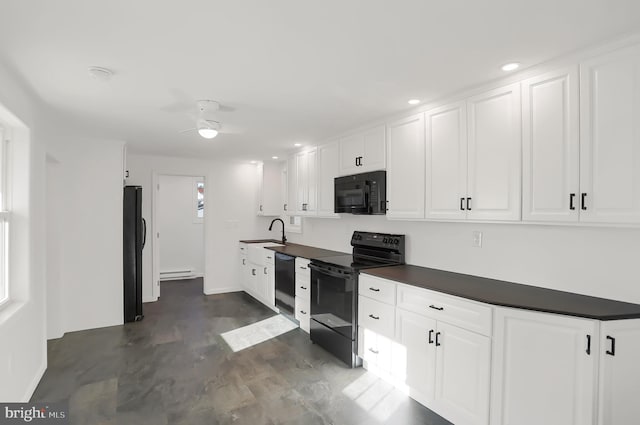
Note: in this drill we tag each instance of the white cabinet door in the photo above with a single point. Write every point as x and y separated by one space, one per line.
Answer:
252 279
544 368
417 335
494 140
462 375
328 170
312 181
351 148
271 286
302 188
446 162
292 184
610 137
244 277
363 152
551 147
405 167
374 154
619 373
270 189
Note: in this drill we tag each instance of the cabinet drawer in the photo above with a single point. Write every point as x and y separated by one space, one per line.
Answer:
377 316
303 287
303 313
269 257
375 349
243 248
302 267
467 314
379 289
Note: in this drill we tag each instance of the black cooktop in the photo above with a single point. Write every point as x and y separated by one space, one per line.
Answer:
351 263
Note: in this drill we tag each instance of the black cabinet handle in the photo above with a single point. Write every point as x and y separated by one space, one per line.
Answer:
356 158
431 336
436 308
461 204
373 351
612 351
269 258
374 317
589 345
469 204
303 287
244 261
374 289
260 207
303 312
572 196
438 339
265 270
253 272
303 268
387 205
284 207
583 204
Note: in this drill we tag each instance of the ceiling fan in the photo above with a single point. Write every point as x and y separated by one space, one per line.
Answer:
206 126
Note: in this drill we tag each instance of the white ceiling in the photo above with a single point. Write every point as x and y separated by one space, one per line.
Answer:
286 70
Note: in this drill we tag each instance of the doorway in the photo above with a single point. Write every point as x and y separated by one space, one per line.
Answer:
179 229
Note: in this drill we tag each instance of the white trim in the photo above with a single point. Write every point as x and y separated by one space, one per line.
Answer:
36 379
225 290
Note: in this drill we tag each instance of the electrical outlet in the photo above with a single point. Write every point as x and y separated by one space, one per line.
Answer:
476 239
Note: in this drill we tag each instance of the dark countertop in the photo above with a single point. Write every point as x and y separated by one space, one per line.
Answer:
509 294
304 251
261 241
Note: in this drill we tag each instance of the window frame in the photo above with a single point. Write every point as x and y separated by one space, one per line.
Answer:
5 215
196 182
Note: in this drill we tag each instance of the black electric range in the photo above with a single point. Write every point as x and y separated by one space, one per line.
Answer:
334 291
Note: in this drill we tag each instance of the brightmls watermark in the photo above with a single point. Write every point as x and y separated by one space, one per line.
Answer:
35 413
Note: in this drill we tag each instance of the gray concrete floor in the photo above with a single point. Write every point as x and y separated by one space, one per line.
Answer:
174 368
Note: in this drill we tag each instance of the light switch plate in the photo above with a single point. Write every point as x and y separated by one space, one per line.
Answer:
476 239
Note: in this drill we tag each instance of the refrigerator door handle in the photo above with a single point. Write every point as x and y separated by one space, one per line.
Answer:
144 232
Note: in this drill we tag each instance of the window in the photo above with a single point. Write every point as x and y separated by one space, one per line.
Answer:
198 198
4 218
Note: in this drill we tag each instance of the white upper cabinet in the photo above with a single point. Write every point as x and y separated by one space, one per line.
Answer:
446 162
494 150
610 138
405 167
619 372
328 170
292 185
305 182
363 152
270 189
550 163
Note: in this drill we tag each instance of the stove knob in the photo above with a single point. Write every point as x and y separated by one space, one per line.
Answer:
385 240
396 241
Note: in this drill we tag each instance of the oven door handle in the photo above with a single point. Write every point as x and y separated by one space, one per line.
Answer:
329 272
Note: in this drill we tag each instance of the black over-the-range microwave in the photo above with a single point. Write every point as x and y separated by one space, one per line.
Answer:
364 193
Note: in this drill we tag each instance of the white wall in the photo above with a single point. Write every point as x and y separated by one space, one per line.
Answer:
88 207
230 213
23 351
182 235
596 261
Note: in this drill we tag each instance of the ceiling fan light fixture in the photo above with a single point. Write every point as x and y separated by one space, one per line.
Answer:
208 129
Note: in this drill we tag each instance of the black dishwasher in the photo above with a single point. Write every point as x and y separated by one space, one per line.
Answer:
285 283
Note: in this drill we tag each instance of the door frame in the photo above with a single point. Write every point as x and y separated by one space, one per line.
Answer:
155 245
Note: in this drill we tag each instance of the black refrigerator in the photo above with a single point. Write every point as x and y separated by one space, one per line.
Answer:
134 238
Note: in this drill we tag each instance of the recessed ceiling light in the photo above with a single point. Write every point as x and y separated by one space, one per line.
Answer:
254 162
414 101
100 74
297 145
274 157
510 66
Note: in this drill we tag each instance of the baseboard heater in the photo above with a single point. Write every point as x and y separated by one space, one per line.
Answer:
177 274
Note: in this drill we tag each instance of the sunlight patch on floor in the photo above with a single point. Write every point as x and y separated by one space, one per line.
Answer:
376 396
255 333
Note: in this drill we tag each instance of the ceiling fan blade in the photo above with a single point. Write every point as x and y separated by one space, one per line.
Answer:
187 130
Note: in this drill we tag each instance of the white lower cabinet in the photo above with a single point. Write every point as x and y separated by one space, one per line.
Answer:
303 313
619 383
447 367
303 293
544 369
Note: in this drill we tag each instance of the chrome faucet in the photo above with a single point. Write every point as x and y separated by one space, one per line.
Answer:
271 226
